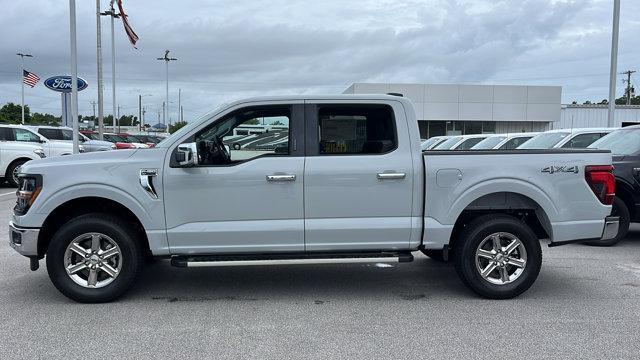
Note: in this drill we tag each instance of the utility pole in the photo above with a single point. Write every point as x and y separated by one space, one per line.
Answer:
165 108
22 56
93 104
112 13
100 81
181 113
614 63
117 122
163 114
144 111
140 112
627 91
179 104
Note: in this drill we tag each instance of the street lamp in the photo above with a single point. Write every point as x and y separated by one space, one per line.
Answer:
22 56
165 112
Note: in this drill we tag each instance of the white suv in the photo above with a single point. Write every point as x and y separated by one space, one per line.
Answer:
65 134
15 153
21 133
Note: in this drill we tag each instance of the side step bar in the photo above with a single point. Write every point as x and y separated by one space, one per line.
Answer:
289 259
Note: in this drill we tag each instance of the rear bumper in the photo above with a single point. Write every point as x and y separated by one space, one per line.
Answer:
611 225
23 240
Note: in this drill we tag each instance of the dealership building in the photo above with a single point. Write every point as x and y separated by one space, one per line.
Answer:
452 109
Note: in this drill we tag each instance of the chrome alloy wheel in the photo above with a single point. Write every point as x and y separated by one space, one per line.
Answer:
93 260
14 174
501 258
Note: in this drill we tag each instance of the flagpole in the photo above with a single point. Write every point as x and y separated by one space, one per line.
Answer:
74 74
22 83
22 56
100 85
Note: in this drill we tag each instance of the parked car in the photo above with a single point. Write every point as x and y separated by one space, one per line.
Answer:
432 142
461 142
150 141
51 148
350 184
504 141
624 144
62 133
13 154
489 142
118 141
566 138
131 140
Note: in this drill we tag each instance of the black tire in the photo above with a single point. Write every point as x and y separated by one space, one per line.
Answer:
131 254
10 169
472 237
436 255
620 209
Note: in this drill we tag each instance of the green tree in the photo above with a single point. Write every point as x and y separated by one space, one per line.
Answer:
176 126
12 113
44 119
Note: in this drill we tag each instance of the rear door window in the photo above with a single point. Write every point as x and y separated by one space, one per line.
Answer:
356 129
51 134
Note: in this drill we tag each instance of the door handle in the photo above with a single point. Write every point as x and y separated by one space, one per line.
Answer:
281 177
391 176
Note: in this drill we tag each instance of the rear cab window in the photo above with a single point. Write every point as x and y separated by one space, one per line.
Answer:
356 129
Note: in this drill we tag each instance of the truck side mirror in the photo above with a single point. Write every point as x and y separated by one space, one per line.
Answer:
187 155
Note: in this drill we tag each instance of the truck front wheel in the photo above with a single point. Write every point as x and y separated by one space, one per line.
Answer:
498 256
94 258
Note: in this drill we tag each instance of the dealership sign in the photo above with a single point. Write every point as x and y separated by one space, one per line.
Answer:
62 83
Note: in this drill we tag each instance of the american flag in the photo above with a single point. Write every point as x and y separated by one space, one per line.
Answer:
133 37
29 78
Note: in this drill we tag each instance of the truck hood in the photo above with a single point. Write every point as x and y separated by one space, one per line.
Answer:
39 166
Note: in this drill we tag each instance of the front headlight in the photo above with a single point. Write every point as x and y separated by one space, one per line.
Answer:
81 148
29 187
113 146
40 153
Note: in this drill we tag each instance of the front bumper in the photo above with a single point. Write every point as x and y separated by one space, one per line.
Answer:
23 240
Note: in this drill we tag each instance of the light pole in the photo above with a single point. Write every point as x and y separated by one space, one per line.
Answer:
74 75
112 13
165 113
22 56
614 63
100 85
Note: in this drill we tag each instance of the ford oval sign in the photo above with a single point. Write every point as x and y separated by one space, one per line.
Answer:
62 83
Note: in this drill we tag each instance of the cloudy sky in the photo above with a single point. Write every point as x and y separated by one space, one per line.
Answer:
234 49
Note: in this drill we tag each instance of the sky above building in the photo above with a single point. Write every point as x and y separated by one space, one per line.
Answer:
234 49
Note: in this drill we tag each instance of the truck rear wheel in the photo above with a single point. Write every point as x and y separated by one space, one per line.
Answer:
498 256
94 258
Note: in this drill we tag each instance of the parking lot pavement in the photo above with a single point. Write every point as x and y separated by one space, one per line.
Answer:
585 304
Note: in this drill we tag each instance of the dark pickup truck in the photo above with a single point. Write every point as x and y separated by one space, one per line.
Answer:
625 147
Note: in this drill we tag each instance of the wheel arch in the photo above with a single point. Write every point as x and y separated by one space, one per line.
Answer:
624 191
514 204
75 207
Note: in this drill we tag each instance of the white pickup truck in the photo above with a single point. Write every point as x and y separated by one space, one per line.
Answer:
337 179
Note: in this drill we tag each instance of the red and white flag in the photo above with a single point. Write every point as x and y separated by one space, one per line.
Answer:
29 78
133 37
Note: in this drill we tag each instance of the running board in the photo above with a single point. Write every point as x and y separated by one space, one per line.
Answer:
289 259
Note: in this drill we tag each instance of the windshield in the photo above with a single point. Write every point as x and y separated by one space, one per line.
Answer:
620 142
93 136
114 138
428 143
131 139
488 143
469 143
544 141
446 145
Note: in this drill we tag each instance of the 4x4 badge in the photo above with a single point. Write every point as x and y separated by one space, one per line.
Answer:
562 169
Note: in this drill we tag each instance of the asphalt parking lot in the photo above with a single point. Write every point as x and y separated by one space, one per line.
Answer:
585 304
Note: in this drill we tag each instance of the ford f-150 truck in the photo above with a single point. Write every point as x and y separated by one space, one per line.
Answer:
336 179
